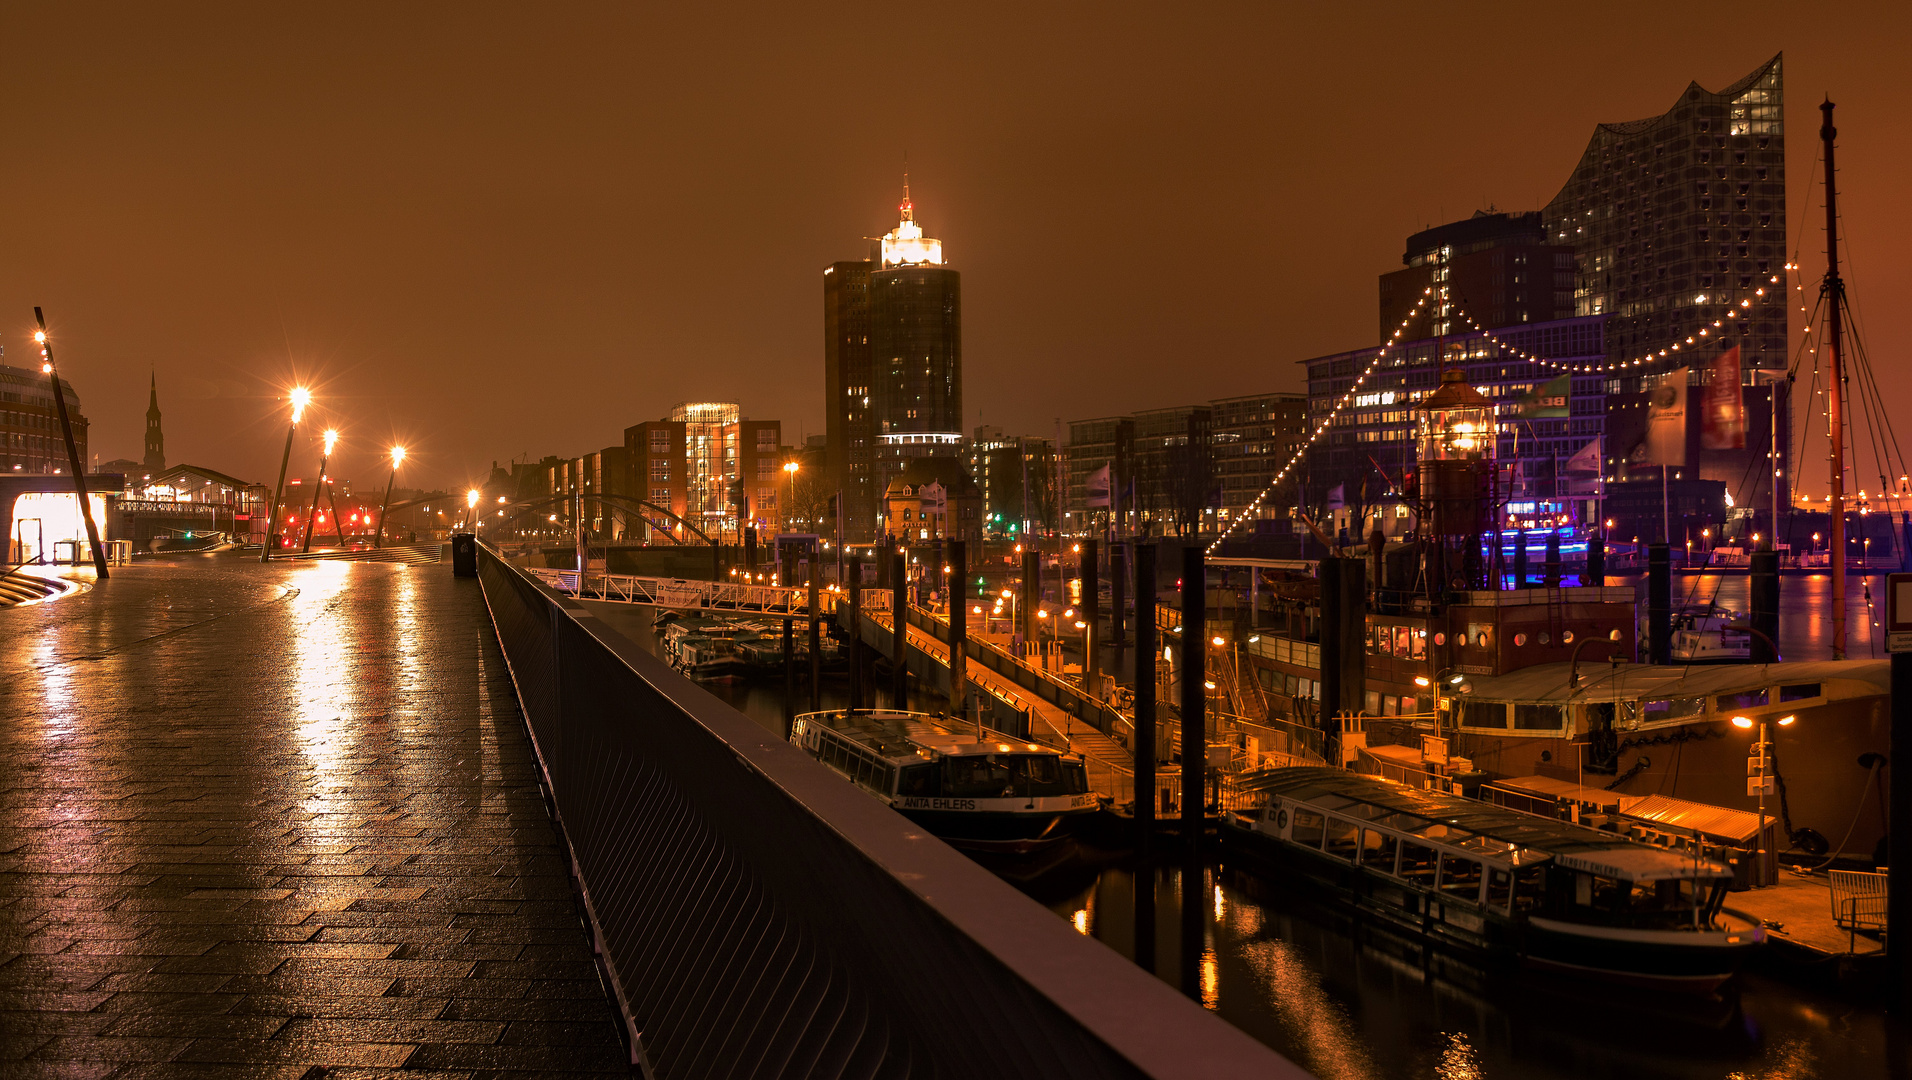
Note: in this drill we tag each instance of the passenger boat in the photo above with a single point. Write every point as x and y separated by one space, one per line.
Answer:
987 793
1485 879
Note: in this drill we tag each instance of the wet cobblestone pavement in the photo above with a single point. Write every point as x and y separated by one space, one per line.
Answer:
279 821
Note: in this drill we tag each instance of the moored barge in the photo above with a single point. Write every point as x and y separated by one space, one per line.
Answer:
1488 880
984 792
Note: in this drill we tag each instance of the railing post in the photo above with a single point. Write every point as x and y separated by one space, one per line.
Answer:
855 570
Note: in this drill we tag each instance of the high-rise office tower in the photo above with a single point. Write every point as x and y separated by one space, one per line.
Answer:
155 438
850 438
916 349
1675 221
1497 267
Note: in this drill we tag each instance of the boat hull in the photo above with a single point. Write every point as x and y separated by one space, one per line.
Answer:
1013 832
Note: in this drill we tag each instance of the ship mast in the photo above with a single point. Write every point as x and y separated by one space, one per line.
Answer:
1835 413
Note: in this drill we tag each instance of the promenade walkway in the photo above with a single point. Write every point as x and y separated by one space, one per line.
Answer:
279 821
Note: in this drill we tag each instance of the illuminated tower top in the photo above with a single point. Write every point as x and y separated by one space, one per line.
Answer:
906 245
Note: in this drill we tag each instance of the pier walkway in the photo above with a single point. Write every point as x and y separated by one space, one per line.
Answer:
262 819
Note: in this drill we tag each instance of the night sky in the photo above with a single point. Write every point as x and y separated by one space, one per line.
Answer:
494 232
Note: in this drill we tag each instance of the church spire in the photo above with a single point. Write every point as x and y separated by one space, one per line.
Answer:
155 438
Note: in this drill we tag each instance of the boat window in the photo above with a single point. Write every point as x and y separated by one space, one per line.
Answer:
1460 877
1530 888
1377 850
1664 709
1075 777
976 777
1752 699
1440 830
1608 894
919 780
1307 830
1667 902
1500 888
1799 691
1417 864
1403 822
1539 717
1035 774
1342 839
1482 714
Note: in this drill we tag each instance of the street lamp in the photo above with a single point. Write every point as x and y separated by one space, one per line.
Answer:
789 492
471 509
1759 780
300 398
398 458
325 458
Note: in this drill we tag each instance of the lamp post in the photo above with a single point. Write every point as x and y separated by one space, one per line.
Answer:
398 458
1434 683
471 510
325 458
789 494
1759 780
72 448
300 397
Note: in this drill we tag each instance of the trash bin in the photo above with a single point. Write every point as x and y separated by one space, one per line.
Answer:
464 555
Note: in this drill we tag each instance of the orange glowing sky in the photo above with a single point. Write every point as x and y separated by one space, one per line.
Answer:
493 231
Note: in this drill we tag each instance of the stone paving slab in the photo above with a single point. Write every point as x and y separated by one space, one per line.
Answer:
279 821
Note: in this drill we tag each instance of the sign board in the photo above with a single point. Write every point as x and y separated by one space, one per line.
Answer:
1898 612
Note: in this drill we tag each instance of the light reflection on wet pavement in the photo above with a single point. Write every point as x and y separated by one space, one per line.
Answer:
263 818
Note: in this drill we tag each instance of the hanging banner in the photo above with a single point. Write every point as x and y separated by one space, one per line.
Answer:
1723 415
1337 497
1098 485
1586 462
1666 420
1547 402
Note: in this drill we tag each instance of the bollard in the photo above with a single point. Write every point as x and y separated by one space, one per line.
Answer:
1763 587
464 555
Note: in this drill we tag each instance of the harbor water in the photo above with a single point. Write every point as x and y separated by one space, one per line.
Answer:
1349 1000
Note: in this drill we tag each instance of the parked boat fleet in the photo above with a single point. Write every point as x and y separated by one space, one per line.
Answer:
713 648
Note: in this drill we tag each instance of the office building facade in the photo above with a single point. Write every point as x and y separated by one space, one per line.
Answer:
849 432
30 437
1497 268
916 349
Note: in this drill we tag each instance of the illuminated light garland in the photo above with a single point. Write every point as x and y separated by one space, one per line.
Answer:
1255 506
1522 354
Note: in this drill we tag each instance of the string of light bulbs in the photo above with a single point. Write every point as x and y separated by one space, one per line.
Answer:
1345 400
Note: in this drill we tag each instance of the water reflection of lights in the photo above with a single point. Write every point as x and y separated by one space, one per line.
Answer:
1218 903
1081 921
1211 981
1792 1059
1335 1051
1459 1060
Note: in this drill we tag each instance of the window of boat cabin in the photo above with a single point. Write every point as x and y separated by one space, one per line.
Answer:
1307 829
1035 774
1664 710
976 777
1533 717
1373 700
1343 839
1481 714
1798 692
1530 888
1075 777
1460 877
1751 699
919 780
1500 887
1417 863
1668 902
1390 705
1377 850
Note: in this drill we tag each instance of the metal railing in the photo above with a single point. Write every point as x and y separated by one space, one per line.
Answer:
693 594
757 916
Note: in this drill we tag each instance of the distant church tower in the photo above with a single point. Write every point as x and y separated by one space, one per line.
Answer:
155 438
